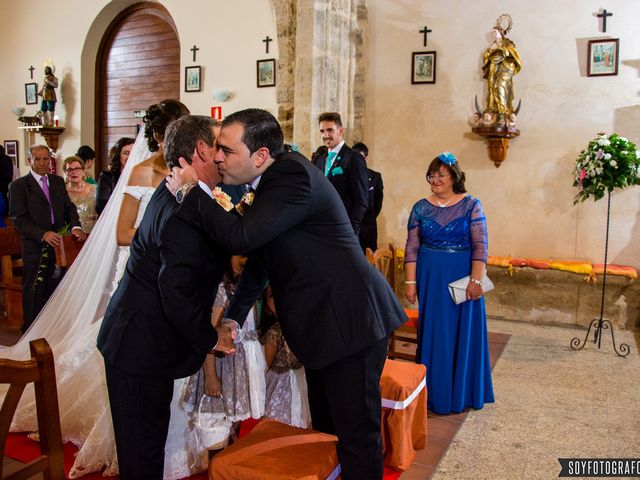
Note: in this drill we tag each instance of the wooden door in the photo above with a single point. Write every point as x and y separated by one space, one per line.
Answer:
138 65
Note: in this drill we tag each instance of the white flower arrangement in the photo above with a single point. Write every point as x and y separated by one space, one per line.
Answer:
606 164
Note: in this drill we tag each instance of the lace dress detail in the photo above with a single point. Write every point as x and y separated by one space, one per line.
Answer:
241 375
286 399
460 227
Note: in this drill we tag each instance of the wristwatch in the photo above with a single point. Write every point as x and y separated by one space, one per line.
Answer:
183 190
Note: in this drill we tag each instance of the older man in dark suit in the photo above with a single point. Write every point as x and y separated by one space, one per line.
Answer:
157 326
336 311
344 168
40 207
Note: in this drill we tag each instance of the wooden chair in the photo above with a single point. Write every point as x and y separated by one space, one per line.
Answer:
10 279
67 252
383 260
406 334
39 370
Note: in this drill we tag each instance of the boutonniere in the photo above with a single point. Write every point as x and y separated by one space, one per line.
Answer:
337 171
245 201
222 199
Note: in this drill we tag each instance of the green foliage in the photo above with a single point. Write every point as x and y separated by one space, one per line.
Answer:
606 164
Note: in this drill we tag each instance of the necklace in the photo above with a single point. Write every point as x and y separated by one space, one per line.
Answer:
442 205
76 189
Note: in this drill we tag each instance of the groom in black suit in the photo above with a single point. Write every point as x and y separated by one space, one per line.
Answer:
158 323
336 311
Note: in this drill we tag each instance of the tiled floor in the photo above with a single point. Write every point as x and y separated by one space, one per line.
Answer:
442 428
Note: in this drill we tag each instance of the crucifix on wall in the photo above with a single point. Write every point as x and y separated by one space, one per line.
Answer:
267 40
603 15
31 69
194 50
424 32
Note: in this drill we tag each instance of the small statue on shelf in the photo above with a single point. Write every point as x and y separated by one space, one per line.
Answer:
497 122
48 94
501 63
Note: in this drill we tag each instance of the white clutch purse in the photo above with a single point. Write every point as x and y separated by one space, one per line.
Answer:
458 289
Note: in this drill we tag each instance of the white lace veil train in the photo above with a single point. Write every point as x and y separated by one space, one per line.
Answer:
82 295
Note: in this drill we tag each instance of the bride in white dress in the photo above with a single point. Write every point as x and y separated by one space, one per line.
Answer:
70 322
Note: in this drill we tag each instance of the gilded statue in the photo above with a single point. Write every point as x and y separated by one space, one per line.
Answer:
501 63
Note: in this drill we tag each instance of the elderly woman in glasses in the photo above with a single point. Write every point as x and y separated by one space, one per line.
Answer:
447 240
82 193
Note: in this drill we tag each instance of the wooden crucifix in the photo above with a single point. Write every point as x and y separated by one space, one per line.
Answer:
31 69
194 50
266 40
603 15
424 32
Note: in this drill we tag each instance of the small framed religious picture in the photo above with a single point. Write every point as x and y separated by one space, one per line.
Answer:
603 57
423 67
11 150
31 93
192 79
266 73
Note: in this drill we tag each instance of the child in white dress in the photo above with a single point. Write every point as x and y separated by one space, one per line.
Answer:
239 378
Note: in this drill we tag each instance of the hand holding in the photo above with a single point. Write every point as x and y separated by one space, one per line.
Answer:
410 293
474 291
52 238
80 235
212 386
180 176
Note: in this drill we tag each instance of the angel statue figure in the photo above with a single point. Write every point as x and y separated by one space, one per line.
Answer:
48 93
501 63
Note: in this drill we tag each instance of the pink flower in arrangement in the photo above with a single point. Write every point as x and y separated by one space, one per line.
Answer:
583 174
600 154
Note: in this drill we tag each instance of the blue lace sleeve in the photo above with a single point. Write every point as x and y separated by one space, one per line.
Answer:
413 236
479 237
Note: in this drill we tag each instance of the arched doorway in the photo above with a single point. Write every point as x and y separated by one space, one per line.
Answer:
138 64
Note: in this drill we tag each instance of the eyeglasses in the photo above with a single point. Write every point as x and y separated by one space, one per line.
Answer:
74 169
436 176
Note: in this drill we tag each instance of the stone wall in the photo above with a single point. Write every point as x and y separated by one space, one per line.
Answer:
556 297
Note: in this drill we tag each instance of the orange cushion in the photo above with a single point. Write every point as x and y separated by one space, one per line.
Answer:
622 270
539 263
499 261
413 317
275 451
572 266
404 412
519 262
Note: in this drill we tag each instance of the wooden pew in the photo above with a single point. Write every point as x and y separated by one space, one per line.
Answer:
68 251
10 279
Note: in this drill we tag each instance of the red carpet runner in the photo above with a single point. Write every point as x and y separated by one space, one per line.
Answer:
20 448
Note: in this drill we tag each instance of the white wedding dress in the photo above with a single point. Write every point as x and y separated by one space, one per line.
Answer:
67 322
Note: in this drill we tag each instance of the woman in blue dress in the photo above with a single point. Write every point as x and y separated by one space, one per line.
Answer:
447 240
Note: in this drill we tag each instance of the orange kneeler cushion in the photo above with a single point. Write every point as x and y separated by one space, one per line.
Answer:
404 425
499 261
622 270
584 268
275 451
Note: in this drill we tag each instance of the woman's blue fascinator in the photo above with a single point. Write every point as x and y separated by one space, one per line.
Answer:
448 158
